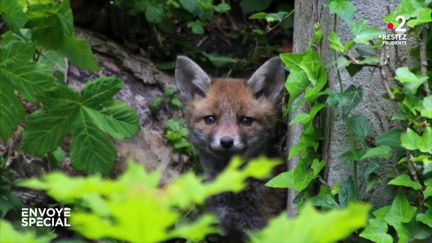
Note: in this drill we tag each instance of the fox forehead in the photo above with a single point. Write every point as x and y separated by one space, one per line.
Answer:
230 96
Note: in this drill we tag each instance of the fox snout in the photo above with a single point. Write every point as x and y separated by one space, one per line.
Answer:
227 143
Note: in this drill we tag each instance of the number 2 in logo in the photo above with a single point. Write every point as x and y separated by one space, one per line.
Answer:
401 20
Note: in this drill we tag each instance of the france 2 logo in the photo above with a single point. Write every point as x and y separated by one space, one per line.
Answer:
400 29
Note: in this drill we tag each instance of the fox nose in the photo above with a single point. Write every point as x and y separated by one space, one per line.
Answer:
226 142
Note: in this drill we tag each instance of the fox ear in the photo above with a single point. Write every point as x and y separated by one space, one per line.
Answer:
268 80
190 79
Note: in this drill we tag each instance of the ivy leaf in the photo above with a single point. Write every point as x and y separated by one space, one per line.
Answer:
428 191
344 9
406 181
376 231
390 138
400 212
11 111
423 16
335 42
298 178
311 65
359 125
425 218
382 151
409 140
411 81
412 141
347 192
297 79
364 33
347 100
305 118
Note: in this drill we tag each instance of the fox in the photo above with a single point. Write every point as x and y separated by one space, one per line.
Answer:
228 117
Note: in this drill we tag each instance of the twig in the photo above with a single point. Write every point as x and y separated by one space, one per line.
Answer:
423 58
384 78
413 174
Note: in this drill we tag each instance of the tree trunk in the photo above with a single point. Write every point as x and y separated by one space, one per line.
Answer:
374 106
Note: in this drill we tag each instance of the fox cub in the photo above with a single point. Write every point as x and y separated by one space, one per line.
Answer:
229 117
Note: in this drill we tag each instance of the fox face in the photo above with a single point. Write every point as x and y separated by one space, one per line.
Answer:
230 116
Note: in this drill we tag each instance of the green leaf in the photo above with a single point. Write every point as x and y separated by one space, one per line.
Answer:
428 191
9 234
92 150
259 15
249 6
390 138
311 64
359 125
12 13
335 42
347 100
222 7
423 16
196 26
401 211
331 226
409 140
154 13
220 61
298 178
364 33
305 118
297 80
30 79
117 119
46 130
411 81
347 192
11 111
406 181
376 231
47 31
427 103
382 151
412 141
80 53
101 90
425 218
343 8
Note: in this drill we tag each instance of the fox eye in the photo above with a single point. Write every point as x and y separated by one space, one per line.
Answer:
210 120
246 121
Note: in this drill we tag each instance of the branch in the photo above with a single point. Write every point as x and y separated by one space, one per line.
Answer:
423 58
384 78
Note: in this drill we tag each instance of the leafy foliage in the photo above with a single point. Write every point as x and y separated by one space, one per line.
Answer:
133 208
327 227
11 235
40 36
407 214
